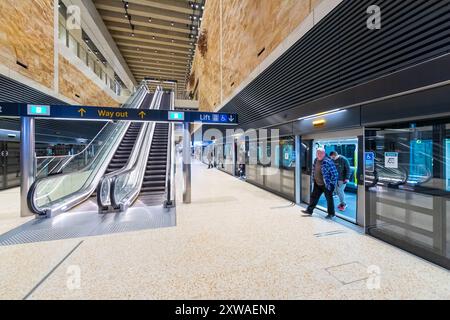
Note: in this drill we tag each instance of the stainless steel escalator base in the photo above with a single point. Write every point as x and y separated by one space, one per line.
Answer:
87 224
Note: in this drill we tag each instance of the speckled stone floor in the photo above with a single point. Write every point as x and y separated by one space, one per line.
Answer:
234 241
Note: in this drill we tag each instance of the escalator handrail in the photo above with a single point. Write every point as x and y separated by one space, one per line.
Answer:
170 198
144 152
33 189
71 157
130 163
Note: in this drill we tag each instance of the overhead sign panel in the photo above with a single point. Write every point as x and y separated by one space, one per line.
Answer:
38 110
108 113
10 110
176 116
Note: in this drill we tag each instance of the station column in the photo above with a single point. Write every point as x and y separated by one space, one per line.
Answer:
187 163
27 165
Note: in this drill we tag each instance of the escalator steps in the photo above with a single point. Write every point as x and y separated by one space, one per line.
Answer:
154 185
123 152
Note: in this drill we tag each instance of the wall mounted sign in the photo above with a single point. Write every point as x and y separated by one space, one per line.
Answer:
369 162
391 160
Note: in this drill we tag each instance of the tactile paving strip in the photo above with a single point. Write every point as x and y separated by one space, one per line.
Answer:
87 224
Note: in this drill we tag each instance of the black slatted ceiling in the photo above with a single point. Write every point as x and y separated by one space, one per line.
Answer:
341 52
14 91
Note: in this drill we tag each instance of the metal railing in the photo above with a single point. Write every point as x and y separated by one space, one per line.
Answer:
55 194
106 199
171 162
44 163
126 186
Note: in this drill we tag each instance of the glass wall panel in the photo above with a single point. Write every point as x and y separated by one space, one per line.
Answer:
275 168
9 164
407 187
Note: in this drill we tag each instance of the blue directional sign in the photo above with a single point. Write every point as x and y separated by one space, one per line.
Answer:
370 161
210 117
108 113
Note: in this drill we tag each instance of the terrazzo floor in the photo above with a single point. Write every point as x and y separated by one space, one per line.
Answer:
235 241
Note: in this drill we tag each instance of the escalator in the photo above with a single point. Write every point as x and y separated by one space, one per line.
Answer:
149 179
80 174
154 186
123 152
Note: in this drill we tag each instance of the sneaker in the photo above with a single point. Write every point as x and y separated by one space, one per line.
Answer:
306 211
329 217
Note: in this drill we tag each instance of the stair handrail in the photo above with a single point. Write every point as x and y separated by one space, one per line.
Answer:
74 198
104 187
140 161
66 159
170 172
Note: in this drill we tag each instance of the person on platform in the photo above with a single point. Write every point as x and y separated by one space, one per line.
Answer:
343 167
325 178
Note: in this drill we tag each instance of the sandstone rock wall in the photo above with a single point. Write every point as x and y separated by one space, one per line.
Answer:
27 37
251 30
75 85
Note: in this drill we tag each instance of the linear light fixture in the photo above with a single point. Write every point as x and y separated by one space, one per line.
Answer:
326 113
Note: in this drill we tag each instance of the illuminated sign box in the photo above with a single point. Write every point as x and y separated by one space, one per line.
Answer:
176 116
38 110
319 123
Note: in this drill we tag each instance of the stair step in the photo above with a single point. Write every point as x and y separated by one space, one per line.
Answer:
153 189
149 177
155 172
155 167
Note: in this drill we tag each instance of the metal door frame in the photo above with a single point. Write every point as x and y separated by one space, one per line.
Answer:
359 135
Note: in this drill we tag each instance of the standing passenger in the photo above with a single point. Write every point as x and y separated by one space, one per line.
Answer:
209 156
324 175
343 168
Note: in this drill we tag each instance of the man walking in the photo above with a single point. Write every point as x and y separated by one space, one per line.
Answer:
343 167
325 177
210 156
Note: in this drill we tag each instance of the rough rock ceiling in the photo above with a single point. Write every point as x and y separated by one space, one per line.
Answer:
157 38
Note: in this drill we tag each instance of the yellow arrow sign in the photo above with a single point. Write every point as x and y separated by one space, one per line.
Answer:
82 112
142 114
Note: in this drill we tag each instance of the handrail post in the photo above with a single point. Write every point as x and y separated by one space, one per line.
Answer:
170 159
27 164
186 163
